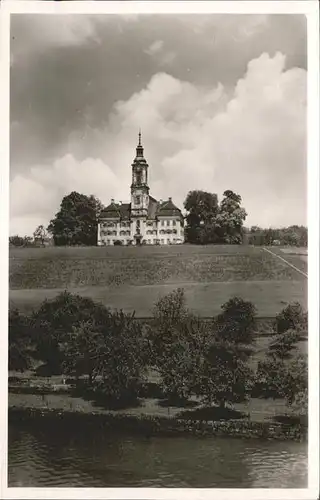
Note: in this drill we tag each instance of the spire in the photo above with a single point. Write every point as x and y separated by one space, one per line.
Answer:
139 147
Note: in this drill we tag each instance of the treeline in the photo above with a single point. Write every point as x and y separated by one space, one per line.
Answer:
75 336
206 222
296 236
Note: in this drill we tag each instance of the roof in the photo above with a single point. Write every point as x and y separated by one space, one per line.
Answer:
116 211
167 208
155 209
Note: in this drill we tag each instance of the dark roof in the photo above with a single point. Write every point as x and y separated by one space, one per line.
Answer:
116 210
155 208
168 208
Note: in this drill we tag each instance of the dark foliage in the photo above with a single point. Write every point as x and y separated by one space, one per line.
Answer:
76 223
19 342
291 317
208 222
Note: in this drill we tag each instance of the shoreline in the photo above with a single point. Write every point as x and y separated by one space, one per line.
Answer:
158 426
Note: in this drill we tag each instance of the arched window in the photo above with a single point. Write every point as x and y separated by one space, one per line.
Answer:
137 200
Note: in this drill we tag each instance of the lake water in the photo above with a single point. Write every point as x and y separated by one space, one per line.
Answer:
53 457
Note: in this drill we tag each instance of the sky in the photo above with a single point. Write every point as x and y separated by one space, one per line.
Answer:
220 99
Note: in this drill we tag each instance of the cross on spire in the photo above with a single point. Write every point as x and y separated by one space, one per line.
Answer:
139 147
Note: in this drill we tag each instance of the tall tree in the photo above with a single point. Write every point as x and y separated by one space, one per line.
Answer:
19 342
40 235
202 208
226 376
76 223
230 219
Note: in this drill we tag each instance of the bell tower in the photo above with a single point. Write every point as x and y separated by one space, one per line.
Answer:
139 185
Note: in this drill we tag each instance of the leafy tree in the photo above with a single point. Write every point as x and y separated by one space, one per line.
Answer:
202 208
230 218
291 236
19 342
55 319
76 223
16 241
292 317
277 378
226 376
283 373
283 345
177 339
19 241
118 357
237 322
40 234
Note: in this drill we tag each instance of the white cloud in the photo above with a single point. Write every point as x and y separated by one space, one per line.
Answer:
154 48
164 57
253 141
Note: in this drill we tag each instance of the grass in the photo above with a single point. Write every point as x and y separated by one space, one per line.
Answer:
259 409
131 278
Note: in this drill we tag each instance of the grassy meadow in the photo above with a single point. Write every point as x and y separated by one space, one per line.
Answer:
132 278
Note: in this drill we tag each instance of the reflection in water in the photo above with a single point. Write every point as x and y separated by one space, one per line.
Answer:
52 457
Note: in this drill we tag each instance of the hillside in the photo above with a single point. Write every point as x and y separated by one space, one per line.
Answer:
133 278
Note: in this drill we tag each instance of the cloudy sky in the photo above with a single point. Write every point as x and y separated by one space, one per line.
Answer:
220 99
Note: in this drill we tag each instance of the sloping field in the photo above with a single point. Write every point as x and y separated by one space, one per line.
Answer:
134 278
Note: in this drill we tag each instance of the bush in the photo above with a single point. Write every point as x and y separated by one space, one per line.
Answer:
117 243
237 322
291 317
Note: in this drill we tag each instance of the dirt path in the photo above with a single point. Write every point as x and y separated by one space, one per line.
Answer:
285 261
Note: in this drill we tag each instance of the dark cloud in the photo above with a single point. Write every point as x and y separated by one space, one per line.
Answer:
68 71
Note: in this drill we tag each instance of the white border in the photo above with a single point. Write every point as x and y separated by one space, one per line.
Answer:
311 9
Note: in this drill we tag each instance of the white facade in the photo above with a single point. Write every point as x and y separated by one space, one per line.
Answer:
144 220
164 231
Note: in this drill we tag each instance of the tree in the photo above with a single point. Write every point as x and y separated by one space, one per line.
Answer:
40 234
277 378
55 319
202 208
118 357
19 342
19 241
226 375
292 317
16 241
177 341
237 321
230 218
282 374
283 345
76 223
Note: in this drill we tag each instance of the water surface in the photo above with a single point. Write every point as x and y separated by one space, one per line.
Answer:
50 457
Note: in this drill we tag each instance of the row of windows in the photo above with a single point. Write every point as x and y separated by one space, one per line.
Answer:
127 233
148 241
148 223
114 224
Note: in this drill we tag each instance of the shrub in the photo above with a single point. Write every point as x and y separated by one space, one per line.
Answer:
291 317
117 243
237 321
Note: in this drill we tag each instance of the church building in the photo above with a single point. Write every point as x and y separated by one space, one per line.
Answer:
143 221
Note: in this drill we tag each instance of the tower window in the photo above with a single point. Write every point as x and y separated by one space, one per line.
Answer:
138 200
139 177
